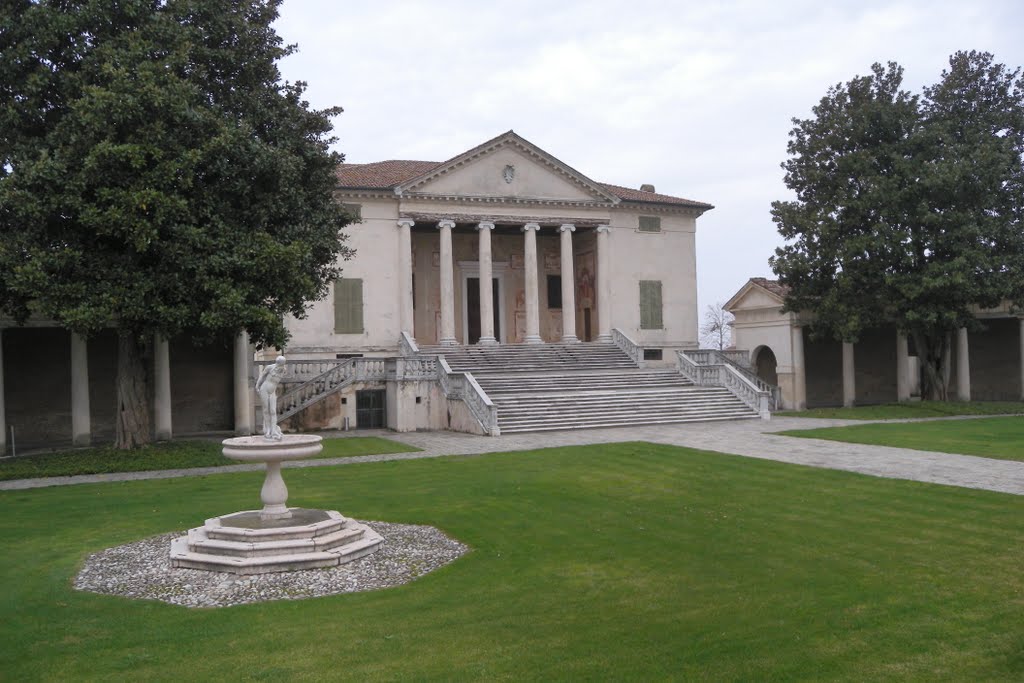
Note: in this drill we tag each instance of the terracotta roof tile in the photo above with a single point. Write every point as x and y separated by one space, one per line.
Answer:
387 174
772 286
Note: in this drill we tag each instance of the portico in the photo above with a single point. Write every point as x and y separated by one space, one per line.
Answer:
502 280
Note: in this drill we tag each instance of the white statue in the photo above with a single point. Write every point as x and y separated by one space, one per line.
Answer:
266 387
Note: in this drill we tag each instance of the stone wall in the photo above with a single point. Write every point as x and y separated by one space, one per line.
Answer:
37 384
874 357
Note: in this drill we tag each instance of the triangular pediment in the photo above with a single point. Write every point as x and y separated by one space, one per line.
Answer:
507 167
752 295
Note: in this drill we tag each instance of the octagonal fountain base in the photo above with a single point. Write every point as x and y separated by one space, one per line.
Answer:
244 543
277 538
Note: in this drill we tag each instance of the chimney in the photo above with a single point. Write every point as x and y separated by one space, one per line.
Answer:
647 187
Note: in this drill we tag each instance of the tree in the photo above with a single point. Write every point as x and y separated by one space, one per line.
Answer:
909 209
716 332
158 177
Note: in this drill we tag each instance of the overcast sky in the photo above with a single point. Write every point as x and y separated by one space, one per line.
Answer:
693 97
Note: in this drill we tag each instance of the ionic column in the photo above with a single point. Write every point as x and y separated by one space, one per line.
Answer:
81 424
963 366
3 413
240 385
405 306
849 380
799 370
486 286
568 285
531 290
902 358
447 285
604 296
161 388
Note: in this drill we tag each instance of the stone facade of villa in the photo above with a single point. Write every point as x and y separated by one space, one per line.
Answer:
880 368
501 245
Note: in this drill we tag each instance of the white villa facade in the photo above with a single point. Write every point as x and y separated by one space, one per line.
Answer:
504 244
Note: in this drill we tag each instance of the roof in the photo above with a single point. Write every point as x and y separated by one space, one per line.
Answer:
384 175
772 286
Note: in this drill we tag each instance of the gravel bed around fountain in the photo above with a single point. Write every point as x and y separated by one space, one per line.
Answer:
143 570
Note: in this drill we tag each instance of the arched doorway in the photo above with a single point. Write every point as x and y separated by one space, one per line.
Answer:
765 365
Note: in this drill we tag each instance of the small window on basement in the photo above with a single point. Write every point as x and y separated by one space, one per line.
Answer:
554 292
652 354
650 223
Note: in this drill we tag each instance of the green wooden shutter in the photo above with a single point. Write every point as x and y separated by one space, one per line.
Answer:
650 305
348 306
650 223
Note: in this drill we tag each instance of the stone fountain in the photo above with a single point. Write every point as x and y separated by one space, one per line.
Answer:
276 538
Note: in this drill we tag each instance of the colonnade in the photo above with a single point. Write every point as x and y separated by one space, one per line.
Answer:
530 273
81 418
903 380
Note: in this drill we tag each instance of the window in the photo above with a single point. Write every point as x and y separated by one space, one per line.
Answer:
554 291
348 306
650 305
650 223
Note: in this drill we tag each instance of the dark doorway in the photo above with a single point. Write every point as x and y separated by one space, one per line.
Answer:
766 365
473 309
371 409
586 325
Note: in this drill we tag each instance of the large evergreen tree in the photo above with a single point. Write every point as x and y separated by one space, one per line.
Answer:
158 177
909 210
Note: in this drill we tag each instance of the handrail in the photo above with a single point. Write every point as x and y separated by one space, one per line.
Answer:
313 390
726 375
407 345
462 386
628 346
716 357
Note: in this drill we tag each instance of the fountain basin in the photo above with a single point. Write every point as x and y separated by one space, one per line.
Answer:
260 449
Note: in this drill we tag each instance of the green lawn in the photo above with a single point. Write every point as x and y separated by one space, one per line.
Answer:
169 455
620 562
898 411
995 437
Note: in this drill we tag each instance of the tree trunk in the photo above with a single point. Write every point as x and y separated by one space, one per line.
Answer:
931 354
132 397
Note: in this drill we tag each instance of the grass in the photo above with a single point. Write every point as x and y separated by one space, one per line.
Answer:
616 562
169 455
897 411
996 437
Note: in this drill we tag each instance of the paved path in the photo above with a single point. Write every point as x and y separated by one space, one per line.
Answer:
752 438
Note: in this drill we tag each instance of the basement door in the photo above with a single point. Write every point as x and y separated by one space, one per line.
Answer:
371 409
473 309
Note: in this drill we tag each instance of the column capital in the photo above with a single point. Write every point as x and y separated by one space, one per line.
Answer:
603 228
567 227
446 223
406 222
485 225
530 226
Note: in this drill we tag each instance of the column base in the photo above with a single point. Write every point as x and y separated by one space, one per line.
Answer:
82 439
606 338
487 341
449 341
570 339
533 339
162 435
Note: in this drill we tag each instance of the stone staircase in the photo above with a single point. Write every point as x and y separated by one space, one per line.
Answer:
585 385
